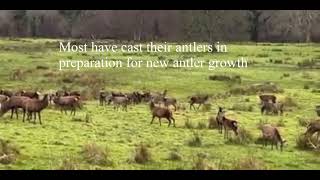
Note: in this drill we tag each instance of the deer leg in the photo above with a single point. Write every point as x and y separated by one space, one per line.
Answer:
24 113
11 113
39 117
174 122
17 113
175 107
169 121
160 121
262 110
199 106
152 119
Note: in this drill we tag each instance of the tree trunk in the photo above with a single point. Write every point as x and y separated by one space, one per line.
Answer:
308 34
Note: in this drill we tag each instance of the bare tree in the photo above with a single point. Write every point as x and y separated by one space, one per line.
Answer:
204 25
257 19
304 21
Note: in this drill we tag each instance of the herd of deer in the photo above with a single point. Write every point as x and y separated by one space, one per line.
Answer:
31 104
159 103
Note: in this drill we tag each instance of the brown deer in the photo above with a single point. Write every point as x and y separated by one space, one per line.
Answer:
198 100
229 124
273 108
35 106
161 112
219 119
271 134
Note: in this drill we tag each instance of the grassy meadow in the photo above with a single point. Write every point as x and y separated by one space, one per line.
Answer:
100 138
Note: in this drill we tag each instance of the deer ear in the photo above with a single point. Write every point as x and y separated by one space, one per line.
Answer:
38 93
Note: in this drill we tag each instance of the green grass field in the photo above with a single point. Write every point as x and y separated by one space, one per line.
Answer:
60 141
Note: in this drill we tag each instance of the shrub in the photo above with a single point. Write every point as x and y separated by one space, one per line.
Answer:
69 163
195 141
249 163
42 67
315 91
142 154
286 75
302 142
307 63
244 137
95 154
276 50
17 74
8 152
213 123
161 58
206 107
201 163
289 102
202 125
67 80
235 78
304 121
281 122
242 107
306 75
308 142
262 55
278 61
256 88
188 124
175 155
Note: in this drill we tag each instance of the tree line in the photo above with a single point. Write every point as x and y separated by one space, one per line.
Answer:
168 25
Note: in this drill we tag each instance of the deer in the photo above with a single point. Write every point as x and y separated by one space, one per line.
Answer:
161 112
272 134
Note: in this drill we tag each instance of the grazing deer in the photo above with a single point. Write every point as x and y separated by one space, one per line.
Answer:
270 133
273 108
229 124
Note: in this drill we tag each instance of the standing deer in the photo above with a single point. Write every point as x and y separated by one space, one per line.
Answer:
270 133
161 112
219 119
229 124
